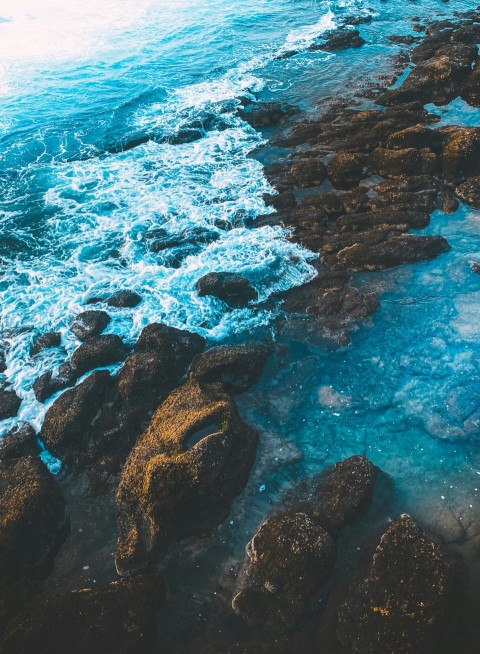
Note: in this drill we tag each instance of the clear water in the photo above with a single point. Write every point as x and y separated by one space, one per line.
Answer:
80 79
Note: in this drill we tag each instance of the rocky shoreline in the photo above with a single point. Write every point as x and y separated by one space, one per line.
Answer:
157 453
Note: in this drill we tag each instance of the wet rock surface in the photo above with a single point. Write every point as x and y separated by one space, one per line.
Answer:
229 287
89 323
20 441
45 342
183 473
406 598
34 523
117 618
289 558
237 367
292 553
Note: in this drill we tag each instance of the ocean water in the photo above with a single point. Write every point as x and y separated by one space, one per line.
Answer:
80 81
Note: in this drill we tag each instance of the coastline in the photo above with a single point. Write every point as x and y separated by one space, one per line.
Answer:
179 472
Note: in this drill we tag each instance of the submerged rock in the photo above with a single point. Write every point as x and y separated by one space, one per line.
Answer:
406 596
45 342
89 323
266 114
124 299
469 192
289 558
237 367
118 619
9 403
229 287
20 441
66 430
182 474
33 524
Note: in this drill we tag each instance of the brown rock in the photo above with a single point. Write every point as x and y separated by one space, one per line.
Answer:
182 474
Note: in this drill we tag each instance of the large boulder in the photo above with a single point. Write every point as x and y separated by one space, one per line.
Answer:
33 524
20 441
118 619
124 299
398 250
339 495
237 367
160 358
67 427
96 352
229 287
89 323
461 153
45 342
9 403
288 559
405 598
183 473
469 192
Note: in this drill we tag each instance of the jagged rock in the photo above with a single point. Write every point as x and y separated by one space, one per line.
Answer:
339 495
20 441
9 403
33 525
45 342
405 598
229 287
330 296
461 153
3 362
409 161
48 384
469 192
67 426
289 558
346 169
340 39
119 618
89 323
182 474
124 299
97 351
161 357
266 114
237 367
387 254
